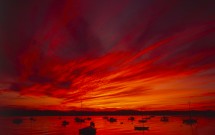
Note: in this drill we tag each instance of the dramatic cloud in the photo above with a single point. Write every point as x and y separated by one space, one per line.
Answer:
120 54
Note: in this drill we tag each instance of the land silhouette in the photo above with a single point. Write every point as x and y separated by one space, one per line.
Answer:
25 112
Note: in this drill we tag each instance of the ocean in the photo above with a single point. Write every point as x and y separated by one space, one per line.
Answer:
52 125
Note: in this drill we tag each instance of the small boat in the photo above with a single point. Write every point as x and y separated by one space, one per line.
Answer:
90 130
190 121
131 118
79 120
164 119
112 119
88 118
65 123
141 128
142 121
17 121
32 119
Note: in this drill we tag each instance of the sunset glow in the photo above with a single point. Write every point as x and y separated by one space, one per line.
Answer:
65 55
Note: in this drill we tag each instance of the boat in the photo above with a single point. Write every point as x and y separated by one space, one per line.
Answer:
131 118
141 128
88 118
79 120
90 130
190 120
112 119
164 119
142 120
65 123
17 121
32 119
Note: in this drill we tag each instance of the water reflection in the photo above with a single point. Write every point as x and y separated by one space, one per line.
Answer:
52 125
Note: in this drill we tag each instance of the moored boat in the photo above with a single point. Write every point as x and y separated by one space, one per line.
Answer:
65 123
164 119
90 130
141 128
17 121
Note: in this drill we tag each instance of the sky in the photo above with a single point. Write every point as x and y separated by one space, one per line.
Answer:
107 54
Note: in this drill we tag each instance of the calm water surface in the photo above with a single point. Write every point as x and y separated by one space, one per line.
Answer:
51 125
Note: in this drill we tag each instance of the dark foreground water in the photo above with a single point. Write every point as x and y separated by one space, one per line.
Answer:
51 125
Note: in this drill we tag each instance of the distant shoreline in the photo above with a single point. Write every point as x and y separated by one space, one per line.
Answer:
102 113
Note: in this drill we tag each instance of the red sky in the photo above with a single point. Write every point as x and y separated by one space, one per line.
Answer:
124 54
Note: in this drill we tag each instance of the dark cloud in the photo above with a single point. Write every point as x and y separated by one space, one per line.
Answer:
64 85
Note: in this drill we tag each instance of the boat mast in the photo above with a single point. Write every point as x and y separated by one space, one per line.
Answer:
189 110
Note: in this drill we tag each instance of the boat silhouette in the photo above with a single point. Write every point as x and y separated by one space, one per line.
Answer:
142 120
17 121
190 120
112 119
32 119
141 128
90 130
164 119
151 116
88 118
65 123
131 118
79 120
